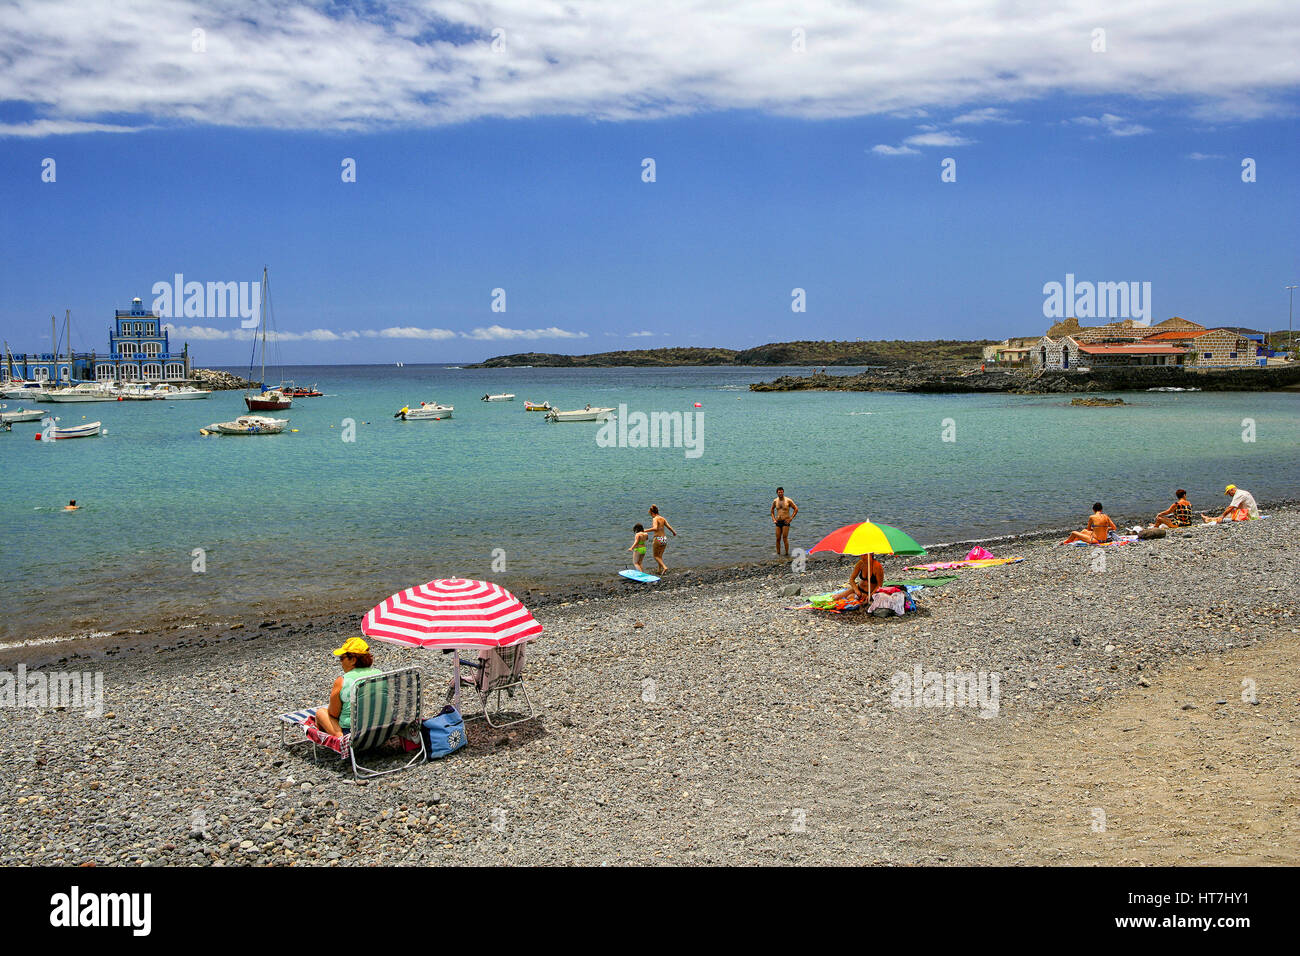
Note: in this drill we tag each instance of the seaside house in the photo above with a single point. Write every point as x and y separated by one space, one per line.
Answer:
1011 351
1111 355
139 349
1062 353
1222 348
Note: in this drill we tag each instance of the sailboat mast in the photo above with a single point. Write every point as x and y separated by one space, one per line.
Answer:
264 290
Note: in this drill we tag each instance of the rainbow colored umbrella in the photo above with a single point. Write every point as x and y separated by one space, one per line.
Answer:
869 538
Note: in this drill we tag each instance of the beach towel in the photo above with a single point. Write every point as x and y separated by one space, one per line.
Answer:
937 581
978 554
1127 539
953 565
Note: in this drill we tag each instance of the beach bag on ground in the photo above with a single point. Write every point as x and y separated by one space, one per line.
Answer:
444 734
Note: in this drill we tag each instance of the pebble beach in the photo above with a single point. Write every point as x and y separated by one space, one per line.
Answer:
1147 712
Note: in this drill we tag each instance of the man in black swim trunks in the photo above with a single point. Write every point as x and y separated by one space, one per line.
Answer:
783 511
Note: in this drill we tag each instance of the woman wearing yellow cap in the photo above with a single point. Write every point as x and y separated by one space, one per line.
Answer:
354 657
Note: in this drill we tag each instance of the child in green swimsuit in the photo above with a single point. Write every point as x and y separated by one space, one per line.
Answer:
638 546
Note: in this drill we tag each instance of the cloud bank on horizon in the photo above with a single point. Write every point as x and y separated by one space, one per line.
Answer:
74 66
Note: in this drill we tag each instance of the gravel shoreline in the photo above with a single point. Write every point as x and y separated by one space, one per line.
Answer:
702 722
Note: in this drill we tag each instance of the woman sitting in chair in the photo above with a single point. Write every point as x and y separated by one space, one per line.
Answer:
356 661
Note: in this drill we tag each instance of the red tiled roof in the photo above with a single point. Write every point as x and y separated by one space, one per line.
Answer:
1175 334
1132 349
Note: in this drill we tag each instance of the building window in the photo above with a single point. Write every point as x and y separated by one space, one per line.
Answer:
175 370
1232 355
128 373
41 373
152 370
103 372
150 349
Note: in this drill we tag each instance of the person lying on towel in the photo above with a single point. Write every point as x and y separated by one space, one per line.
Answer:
868 575
1098 530
356 661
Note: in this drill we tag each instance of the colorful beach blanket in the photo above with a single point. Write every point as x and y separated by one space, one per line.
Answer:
953 565
938 581
1127 539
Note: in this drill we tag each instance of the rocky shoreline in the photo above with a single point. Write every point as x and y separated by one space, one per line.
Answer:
219 380
707 723
928 378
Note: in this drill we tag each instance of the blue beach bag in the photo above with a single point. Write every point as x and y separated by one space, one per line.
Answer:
444 734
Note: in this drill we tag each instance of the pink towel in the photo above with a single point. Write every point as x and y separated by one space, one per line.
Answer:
978 554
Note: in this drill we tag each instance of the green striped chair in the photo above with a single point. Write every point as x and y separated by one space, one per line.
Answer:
385 706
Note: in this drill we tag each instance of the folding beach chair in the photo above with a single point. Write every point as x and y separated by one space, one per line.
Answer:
497 670
385 706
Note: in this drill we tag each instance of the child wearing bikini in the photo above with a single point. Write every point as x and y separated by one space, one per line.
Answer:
638 545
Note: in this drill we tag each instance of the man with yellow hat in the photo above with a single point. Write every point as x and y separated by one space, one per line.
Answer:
1241 507
354 657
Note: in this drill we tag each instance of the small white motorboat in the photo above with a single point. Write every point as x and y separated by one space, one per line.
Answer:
85 392
503 397
178 393
137 391
22 415
425 412
587 414
19 388
247 425
536 406
88 430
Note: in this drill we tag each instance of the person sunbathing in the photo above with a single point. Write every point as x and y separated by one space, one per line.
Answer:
1098 530
355 658
865 580
1177 515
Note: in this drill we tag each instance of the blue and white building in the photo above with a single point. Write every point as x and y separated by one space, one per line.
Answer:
139 350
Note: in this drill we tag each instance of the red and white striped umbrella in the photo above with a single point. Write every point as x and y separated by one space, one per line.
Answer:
452 612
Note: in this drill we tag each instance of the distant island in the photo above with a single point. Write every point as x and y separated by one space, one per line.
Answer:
892 352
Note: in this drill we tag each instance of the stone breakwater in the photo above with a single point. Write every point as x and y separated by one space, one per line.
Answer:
947 378
219 380
709 724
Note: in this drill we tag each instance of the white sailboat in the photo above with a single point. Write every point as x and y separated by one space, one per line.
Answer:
269 399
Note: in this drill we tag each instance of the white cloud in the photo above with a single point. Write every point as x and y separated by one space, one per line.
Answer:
884 150
937 139
316 64
1112 124
1201 156
408 332
497 332
637 335
52 127
989 114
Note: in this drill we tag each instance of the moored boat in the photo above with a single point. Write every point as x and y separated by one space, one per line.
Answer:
536 406
21 414
425 411
269 399
587 414
179 393
247 425
502 397
88 430
84 392
301 391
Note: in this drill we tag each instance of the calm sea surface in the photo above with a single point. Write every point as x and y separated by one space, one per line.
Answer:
306 521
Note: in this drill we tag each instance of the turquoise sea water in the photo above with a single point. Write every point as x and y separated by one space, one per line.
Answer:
308 521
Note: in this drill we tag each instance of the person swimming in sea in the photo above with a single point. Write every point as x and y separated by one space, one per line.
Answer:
638 546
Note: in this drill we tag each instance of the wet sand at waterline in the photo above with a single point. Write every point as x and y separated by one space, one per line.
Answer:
707 723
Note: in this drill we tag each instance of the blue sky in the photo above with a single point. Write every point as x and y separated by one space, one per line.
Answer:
522 170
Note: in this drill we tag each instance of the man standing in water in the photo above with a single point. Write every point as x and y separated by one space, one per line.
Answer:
657 537
783 511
